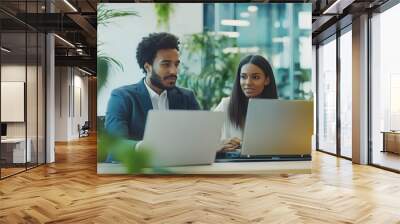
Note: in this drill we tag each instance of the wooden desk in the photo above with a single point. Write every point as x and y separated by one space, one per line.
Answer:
292 167
391 141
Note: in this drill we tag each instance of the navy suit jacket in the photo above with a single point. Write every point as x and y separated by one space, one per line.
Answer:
128 107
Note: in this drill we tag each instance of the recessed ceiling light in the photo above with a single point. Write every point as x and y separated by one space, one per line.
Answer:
241 50
252 8
244 14
227 34
233 22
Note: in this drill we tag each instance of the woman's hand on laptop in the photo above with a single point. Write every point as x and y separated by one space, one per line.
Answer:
231 144
138 145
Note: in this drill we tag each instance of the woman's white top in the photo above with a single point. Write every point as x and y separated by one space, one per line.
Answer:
228 130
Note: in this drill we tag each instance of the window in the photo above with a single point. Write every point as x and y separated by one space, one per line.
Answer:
385 89
346 94
327 96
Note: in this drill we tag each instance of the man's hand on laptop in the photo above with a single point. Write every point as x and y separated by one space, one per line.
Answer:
231 144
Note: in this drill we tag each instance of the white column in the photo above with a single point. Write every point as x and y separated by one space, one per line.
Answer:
360 90
50 101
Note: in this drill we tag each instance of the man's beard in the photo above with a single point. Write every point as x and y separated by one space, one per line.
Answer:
155 80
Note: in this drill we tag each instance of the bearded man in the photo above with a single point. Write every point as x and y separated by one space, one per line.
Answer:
127 109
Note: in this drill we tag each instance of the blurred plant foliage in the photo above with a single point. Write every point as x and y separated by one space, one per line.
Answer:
303 78
163 12
122 150
104 62
217 67
296 87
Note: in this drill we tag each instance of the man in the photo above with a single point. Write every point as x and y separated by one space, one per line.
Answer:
158 57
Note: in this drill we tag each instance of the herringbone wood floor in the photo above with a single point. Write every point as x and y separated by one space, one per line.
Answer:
70 191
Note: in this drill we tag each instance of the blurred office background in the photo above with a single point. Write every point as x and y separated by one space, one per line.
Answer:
213 41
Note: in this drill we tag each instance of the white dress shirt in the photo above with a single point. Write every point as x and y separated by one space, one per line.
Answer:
228 130
159 102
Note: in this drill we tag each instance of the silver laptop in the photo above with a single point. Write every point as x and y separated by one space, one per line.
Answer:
179 137
278 127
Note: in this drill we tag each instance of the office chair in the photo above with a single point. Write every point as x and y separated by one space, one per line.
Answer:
84 130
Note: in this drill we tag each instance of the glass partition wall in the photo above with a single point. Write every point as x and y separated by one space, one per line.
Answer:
22 80
334 94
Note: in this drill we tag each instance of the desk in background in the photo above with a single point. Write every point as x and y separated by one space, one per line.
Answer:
391 141
292 167
13 150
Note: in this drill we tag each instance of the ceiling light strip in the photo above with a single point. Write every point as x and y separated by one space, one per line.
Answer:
84 71
64 40
5 49
70 5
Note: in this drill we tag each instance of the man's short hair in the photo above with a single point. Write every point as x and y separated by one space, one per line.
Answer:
148 47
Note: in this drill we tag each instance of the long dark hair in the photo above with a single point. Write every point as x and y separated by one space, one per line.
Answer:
237 108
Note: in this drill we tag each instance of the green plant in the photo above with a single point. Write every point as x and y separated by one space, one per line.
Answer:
218 67
105 63
163 12
303 78
105 16
122 150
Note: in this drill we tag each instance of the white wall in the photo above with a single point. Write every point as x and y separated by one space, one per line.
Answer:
70 83
80 103
16 72
61 103
33 126
121 38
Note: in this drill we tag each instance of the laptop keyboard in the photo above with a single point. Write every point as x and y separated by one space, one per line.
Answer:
237 157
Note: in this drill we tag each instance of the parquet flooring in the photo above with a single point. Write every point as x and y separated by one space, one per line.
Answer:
70 191
10 171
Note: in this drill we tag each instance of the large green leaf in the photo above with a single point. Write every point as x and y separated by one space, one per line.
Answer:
105 16
105 63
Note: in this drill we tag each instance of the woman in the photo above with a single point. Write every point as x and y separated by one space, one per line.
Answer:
254 79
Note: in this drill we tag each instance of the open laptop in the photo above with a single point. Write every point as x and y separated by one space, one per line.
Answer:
179 137
276 130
